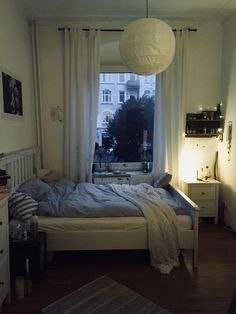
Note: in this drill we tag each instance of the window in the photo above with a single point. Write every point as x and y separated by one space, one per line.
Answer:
122 96
106 96
107 116
127 135
106 77
121 77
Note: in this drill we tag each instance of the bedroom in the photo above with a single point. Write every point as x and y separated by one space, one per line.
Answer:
210 80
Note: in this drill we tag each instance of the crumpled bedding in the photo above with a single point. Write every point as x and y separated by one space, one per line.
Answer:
85 200
162 226
67 199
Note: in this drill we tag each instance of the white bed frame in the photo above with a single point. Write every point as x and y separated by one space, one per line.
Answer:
22 165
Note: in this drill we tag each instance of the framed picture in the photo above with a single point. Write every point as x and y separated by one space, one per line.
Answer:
11 95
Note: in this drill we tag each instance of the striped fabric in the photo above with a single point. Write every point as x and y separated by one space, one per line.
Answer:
104 296
21 206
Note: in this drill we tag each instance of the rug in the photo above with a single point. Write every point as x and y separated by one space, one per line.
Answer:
104 296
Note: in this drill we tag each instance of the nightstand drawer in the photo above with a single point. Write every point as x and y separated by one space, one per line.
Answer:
202 192
207 207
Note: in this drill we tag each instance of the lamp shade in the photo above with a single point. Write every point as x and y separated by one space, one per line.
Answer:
147 46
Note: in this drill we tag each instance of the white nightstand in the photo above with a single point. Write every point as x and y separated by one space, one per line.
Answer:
4 252
205 194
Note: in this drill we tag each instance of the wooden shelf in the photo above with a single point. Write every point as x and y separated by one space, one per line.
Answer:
197 126
200 135
203 120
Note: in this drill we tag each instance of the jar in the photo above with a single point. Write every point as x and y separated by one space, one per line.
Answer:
34 226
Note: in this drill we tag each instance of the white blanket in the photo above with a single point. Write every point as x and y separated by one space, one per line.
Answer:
161 220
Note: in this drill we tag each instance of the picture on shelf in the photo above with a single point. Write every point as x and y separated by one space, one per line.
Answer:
11 91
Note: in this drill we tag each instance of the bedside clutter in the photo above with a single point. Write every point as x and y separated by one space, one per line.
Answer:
33 249
205 194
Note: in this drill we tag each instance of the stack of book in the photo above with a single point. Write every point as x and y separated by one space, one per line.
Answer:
3 181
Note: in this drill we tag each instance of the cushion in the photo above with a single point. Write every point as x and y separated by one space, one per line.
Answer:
21 206
51 177
34 188
162 180
171 201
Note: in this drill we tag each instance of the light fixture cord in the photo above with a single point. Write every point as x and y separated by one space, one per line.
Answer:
146 8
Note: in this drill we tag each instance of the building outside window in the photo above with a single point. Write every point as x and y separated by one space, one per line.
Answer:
121 77
107 115
125 129
106 96
121 96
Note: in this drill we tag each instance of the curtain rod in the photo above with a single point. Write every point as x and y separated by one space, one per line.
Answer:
121 30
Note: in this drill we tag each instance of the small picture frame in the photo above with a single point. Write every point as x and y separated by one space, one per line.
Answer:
11 95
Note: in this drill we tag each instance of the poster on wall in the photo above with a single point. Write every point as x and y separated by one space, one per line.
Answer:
11 96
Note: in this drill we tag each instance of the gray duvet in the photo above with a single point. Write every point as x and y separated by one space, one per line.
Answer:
67 199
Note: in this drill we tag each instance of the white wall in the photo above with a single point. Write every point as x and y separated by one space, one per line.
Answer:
203 92
15 57
227 168
203 79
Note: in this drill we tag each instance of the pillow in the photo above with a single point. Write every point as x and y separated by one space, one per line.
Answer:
162 180
21 206
51 178
34 188
172 201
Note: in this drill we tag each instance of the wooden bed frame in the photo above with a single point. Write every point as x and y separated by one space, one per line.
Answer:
24 164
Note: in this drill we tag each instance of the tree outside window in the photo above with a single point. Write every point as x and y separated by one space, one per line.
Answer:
121 127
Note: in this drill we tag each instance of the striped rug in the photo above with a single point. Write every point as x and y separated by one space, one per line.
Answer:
104 296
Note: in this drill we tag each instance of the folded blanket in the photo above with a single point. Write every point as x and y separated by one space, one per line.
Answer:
161 220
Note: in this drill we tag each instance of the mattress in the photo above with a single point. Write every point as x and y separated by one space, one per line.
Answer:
64 224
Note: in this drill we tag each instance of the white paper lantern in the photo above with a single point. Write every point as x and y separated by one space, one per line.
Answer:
147 46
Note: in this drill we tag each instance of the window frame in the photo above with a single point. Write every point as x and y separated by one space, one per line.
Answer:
123 166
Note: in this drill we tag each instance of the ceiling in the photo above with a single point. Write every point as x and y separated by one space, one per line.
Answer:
65 9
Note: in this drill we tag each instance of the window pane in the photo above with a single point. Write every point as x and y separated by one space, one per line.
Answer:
125 128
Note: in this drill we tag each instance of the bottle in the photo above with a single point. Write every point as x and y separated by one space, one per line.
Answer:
34 226
218 111
28 281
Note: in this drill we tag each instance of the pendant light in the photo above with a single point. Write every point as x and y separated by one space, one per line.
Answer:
147 46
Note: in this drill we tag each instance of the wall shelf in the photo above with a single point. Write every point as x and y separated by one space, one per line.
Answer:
204 124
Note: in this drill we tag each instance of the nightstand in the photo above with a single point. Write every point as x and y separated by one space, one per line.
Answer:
33 249
205 194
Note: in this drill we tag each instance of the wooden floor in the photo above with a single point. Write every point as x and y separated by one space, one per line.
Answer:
209 290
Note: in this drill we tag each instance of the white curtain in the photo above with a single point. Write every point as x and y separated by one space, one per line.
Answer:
81 92
37 92
170 112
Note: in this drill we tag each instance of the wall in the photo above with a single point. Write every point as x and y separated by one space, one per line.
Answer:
203 92
227 164
203 78
15 57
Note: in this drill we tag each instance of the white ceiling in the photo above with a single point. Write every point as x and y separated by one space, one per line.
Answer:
65 9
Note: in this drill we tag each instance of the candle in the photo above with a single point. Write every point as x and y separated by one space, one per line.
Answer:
144 137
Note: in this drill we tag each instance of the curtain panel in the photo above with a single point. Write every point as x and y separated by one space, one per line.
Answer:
81 95
170 112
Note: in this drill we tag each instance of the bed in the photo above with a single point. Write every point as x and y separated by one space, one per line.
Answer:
100 233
